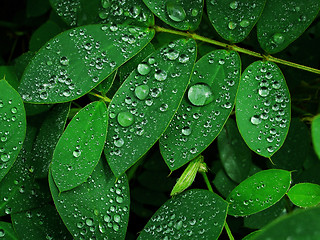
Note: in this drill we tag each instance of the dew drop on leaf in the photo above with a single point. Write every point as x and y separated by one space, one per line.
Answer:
160 75
175 12
255 120
200 94
278 38
143 68
125 119
142 91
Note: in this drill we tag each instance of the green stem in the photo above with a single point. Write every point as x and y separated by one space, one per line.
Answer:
238 49
226 226
106 99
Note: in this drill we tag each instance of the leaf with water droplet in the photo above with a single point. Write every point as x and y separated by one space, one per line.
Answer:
8 73
77 60
97 208
133 116
80 146
7 231
258 192
40 223
300 224
263 108
183 14
233 20
204 109
106 84
13 126
305 194
315 132
180 216
282 22
235 156
47 138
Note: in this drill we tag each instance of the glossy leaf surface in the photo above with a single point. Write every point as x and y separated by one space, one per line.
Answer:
7 232
80 146
305 194
233 20
315 132
300 225
97 208
183 14
204 109
263 108
12 126
258 192
284 21
149 97
77 60
180 216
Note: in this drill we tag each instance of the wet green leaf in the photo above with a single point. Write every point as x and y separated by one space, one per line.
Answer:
233 20
40 223
183 14
12 126
300 225
97 208
8 73
305 194
263 108
106 84
180 216
80 147
204 109
258 192
284 21
77 60
149 96
315 132
7 232
234 154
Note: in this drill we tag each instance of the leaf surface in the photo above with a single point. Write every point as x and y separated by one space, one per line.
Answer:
7 232
315 132
305 194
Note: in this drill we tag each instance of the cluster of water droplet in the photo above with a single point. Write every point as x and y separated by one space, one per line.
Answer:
68 10
202 109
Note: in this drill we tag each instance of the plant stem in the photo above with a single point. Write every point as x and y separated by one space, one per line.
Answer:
106 99
226 226
238 49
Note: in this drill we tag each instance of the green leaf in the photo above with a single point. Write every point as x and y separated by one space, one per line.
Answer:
8 73
258 192
97 208
263 108
204 109
7 232
305 194
180 216
251 236
149 97
47 138
40 223
282 22
77 60
183 14
233 20
12 125
234 154
80 146
223 183
300 225
37 8
106 84
315 132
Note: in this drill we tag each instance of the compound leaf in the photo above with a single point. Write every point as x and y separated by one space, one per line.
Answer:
77 60
149 97
204 109
258 192
180 216
263 108
305 194
80 146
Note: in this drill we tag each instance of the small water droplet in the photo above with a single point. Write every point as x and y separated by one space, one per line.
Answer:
118 142
5 157
175 12
200 94
186 131
263 91
232 25
164 107
255 119
76 153
233 5
160 75
64 61
244 23
278 38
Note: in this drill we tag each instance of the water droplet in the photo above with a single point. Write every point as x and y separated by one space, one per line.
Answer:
278 38
118 142
186 131
143 68
125 119
233 5
263 91
194 12
200 94
14 110
89 222
232 25
244 23
117 218
175 12
255 119
160 75
5 157
172 54
76 153
142 91
2 233
163 107
183 58
64 61
107 218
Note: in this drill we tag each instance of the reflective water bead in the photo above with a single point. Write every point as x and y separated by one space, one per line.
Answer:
200 94
143 68
278 38
125 119
142 91
160 75
255 119
175 12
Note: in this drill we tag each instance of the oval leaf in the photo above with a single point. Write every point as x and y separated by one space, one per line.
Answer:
77 60
149 97
258 192
305 194
80 147
12 126
183 14
300 225
315 131
180 216
98 208
233 20
204 109
284 21
263 108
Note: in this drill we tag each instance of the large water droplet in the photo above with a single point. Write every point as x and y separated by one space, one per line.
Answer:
233 5
142 91
255 119
175 12
263 91
118 142
200 94
232 25
76 153
143 68
186 131
244 23
160 75
5 157
125 119
278 38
